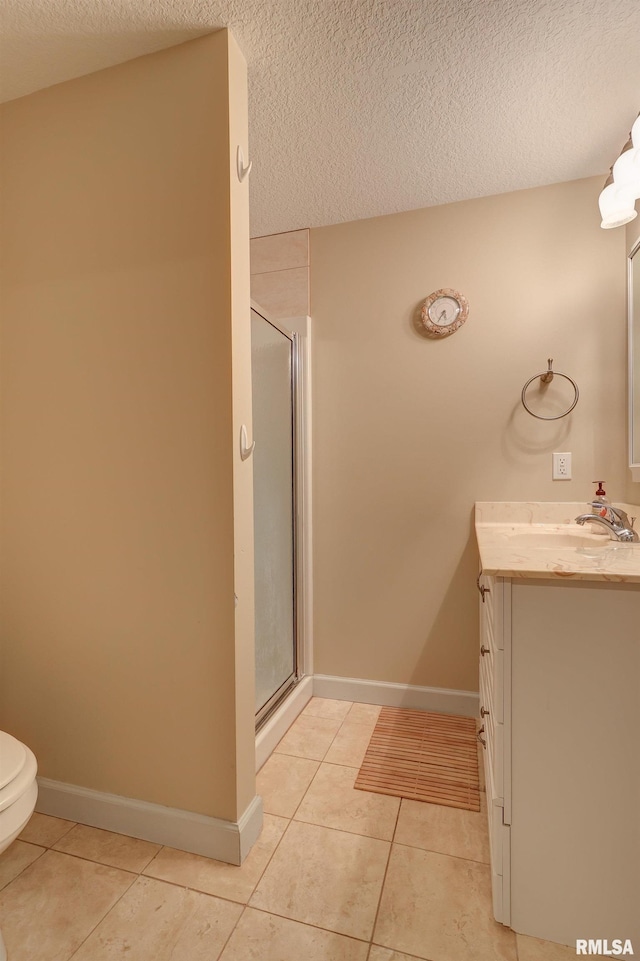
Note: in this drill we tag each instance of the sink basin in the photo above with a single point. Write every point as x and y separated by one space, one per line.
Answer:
568 536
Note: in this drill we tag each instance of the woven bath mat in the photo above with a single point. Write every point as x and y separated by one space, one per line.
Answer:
423 756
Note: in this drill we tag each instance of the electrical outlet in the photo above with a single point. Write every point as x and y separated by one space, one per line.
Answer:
562 466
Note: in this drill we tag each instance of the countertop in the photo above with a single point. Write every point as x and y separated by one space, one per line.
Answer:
497 522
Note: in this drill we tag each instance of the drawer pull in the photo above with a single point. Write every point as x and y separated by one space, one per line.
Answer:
485 650
480 737
483 712
483 590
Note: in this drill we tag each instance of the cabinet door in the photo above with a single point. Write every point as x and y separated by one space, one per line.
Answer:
499 846
575 835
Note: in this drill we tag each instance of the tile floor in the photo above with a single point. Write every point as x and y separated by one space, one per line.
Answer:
337 875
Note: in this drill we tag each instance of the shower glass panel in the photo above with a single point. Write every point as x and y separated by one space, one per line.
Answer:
272 365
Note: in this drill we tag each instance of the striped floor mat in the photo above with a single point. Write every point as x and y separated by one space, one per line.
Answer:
423 756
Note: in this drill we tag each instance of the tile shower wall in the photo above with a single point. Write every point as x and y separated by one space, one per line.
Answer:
280 273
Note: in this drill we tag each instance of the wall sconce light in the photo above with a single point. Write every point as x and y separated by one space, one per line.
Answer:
617 201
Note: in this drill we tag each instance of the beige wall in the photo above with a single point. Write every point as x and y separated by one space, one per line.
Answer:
409 432
118 648
633 232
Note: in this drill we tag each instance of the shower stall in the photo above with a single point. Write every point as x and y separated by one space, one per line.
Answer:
278 368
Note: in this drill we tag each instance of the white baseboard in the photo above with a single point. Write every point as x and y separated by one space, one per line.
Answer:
228 841
231 841
281 720
438 699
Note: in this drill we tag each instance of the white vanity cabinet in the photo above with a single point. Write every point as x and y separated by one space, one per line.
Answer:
560 680
493 693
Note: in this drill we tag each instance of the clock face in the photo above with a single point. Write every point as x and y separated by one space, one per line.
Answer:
443 312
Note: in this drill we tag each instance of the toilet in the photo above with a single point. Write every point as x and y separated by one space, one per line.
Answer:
18 793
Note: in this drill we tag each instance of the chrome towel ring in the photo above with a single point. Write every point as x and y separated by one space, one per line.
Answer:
546 377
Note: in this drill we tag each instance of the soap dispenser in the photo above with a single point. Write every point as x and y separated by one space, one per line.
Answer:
600 503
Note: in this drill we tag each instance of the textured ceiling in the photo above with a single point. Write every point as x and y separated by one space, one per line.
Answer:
366 107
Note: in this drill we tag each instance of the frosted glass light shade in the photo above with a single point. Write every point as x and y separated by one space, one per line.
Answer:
626 171
617 206
635 132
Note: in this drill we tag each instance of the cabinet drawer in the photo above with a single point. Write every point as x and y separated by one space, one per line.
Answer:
497 758
493 726
487 622
487 687
491 610
493 762
492 685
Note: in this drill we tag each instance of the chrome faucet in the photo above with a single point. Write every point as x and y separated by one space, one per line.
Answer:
616 521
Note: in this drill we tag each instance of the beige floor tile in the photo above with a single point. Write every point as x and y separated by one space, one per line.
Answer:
155 921
326 707
283 781
16 858
384 954
325 877
265 937
45 830
333 802
48 911
435 827
351 742
216 877
439 907
533 949
364 712
309 737
116 850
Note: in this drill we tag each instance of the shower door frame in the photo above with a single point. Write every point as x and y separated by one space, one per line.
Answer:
296 330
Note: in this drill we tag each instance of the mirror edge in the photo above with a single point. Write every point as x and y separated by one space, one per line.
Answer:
634 466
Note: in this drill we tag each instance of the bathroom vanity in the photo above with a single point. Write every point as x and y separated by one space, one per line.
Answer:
560 705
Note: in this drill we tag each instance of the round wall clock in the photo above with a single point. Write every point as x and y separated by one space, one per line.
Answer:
444 311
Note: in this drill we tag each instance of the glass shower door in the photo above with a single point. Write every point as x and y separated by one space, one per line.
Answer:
272 366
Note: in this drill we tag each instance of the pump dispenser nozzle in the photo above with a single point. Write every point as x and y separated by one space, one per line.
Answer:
600 503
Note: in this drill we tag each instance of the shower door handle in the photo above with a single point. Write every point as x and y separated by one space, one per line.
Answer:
245 450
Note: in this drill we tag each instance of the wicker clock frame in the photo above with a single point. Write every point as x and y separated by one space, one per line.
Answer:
437 330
